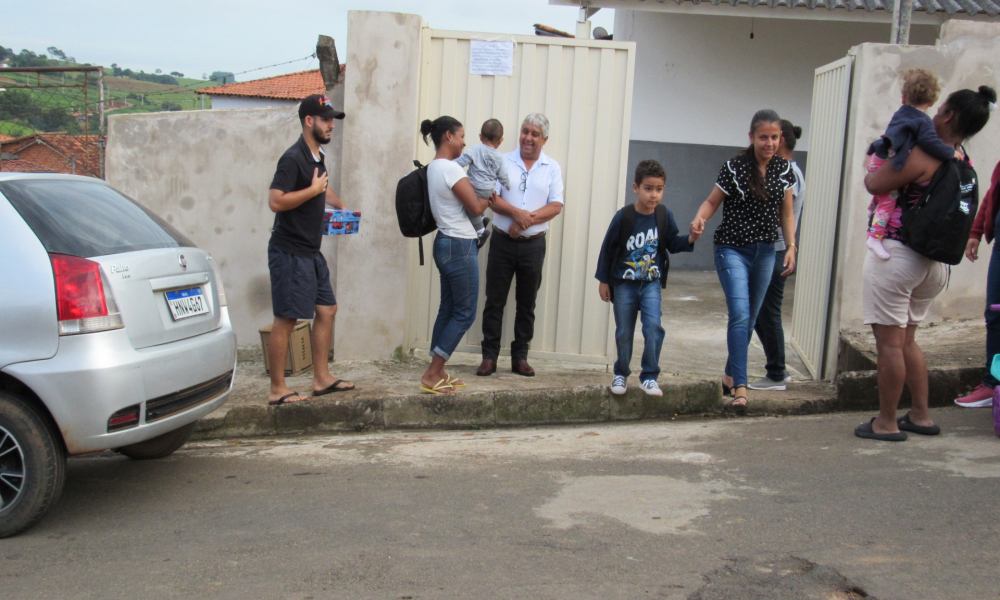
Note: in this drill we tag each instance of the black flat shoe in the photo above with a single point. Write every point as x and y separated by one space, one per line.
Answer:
906 424
865 431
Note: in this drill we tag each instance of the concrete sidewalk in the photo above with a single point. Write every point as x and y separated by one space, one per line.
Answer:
693 357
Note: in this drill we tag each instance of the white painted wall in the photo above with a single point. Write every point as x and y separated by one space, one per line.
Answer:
700 78
236 102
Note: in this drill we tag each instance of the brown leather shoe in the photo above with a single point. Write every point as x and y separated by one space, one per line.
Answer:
521 367
487 368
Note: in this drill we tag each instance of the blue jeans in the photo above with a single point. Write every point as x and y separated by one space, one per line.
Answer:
768 326
745 272
632 297
457 262
992 317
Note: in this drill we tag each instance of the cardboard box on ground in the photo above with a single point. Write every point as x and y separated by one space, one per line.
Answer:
299 356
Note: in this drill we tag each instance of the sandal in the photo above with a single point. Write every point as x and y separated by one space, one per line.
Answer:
455 382
441 387
738 403
285 399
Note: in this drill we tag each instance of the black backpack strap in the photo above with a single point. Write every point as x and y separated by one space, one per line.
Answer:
661 229
624 232
420 247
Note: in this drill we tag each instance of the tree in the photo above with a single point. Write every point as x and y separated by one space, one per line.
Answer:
221 76
176 74
158 71
56 52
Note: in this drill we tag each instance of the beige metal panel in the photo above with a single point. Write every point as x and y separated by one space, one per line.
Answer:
810 313
585 89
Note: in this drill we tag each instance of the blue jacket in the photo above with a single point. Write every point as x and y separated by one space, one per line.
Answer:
910 127
670 238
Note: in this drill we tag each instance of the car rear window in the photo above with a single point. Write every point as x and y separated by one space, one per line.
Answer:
87 219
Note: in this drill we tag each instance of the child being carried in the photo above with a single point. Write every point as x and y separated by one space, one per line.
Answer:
486 167
909 127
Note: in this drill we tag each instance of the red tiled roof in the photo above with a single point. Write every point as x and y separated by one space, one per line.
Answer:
293 86
19 165
54 152
5 138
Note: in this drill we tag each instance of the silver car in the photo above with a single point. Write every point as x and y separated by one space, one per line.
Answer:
114 334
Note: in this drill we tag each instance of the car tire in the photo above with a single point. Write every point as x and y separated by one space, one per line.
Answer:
160 446
30 456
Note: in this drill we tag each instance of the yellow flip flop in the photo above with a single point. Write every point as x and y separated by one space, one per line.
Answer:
438 388
454 382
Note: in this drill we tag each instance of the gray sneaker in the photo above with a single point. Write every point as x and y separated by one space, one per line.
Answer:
618 386
766 383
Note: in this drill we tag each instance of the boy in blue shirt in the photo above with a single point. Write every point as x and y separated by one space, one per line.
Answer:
632 268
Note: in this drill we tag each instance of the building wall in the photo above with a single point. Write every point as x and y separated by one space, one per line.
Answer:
237 102
700 78
967 59
208 174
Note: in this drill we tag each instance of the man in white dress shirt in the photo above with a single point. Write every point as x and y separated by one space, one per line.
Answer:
521 218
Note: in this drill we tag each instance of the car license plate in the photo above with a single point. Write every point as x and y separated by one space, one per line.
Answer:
186 303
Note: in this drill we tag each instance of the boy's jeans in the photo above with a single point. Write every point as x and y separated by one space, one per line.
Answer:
744 272
632 297
457 261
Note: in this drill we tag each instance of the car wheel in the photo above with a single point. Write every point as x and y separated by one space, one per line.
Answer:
32 466
160 446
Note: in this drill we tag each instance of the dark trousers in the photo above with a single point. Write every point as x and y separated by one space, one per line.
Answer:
508 260
992 317
768 325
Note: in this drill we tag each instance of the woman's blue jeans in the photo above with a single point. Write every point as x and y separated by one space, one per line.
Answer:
457 262
745 272
632 297
992 317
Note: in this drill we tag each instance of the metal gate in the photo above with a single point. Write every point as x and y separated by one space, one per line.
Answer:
828 123
584 87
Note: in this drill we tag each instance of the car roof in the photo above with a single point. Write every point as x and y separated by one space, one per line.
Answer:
10 176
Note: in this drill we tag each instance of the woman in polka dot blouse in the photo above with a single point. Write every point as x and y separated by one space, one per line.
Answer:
754 189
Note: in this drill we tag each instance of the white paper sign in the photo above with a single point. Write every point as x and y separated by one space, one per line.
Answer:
491 58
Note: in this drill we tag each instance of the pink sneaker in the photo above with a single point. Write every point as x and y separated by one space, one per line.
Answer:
978 398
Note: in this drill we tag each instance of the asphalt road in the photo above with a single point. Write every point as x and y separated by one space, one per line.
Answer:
769 508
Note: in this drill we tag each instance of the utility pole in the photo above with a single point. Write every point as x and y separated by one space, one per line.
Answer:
902 13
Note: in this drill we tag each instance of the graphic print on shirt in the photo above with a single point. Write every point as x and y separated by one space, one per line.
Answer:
640 256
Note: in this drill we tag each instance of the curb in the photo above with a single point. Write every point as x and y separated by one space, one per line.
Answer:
852 391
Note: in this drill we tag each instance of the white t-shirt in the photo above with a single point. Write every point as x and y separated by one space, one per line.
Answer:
449 212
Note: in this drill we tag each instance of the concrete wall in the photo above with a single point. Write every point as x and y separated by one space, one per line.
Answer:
967 58
238 102
208 174
381 94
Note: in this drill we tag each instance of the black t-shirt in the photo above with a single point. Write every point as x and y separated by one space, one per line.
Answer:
299 231
639 259
745 219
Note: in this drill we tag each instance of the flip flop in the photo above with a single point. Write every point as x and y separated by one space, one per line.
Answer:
454 382
739 409
865 431
333 388
438 387
906 424
286 397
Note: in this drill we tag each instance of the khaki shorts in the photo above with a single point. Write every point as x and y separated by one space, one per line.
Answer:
899 291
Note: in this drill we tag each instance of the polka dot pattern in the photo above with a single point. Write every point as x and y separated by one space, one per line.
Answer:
744 219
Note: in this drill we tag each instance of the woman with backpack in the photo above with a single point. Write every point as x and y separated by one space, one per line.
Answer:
754 189
452 200
898 291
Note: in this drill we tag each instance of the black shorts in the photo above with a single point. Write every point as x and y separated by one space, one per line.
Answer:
298 284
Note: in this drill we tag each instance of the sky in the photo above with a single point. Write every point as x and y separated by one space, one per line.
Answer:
196 37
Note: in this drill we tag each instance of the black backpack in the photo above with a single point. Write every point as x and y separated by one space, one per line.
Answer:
938 225
625 232
413 206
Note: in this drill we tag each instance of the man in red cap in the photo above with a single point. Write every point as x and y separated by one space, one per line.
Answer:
300 279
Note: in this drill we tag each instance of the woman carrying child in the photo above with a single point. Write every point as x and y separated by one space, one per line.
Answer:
898 291
453 200
754 189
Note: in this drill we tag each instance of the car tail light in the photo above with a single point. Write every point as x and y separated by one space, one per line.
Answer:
124 418
218 281
83 297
